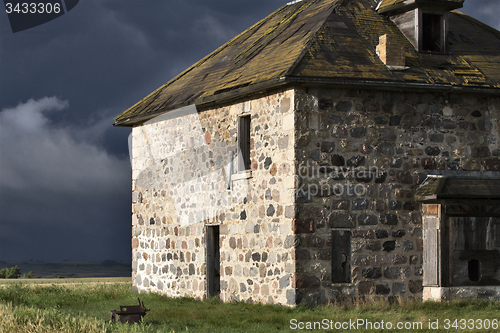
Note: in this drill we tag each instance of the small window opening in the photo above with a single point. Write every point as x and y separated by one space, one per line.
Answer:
474 270
432 33
244 143
341 258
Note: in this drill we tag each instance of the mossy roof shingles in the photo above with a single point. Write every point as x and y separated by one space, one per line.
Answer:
330 41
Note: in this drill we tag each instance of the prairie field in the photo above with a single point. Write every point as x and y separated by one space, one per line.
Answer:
84 306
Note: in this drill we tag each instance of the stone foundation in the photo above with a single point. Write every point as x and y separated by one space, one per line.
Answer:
471 293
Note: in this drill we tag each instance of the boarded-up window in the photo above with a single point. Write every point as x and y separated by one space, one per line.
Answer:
341 255
432 32
244 143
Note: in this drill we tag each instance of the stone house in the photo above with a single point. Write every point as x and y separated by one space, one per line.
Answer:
336 149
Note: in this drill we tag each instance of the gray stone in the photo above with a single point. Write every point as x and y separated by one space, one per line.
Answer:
398 233
389 246
392 272
307 281
270 210
339 132
267 163
331 119
398 288
388 135
254 271
408 246
481 152
381 120
432 151
395 205
380 176
448 124
389 219
284 281
372 273
436 137
338 160
341 220
291 241
289 211
344 106
360 204
382 289
374 246
293 297
356 161
381 233
325 104
484 125
327 147
395 121
358 132
386 148
415 286
365 219
314 155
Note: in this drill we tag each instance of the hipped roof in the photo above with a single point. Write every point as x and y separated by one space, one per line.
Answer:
326 42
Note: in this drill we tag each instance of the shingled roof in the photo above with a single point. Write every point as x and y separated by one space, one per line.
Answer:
326 42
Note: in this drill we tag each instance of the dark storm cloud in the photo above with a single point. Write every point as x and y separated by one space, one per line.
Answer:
487 11
53 180
64 170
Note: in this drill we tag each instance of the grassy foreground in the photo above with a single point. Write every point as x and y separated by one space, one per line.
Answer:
86 307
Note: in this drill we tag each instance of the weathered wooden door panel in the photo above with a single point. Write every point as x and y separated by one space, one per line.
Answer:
431 255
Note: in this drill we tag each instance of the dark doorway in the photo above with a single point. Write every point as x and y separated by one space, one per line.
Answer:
213 261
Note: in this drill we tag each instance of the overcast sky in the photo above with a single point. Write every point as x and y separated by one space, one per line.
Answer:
65 179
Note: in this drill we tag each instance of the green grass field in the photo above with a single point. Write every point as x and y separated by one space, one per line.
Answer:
85 307
103 280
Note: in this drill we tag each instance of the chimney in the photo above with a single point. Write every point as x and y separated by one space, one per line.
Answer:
390 52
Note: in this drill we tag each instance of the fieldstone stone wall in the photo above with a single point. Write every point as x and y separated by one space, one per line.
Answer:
359 157
180 166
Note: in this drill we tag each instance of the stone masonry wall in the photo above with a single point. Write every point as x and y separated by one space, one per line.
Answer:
341 136
179 181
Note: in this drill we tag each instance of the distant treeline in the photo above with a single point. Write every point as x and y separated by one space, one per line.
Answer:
14 273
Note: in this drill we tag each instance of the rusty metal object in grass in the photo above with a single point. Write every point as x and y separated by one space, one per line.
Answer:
129 314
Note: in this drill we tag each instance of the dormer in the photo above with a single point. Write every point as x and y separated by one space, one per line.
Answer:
423 22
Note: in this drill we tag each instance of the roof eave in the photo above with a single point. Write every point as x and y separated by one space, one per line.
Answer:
259 88
410 4
210 101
